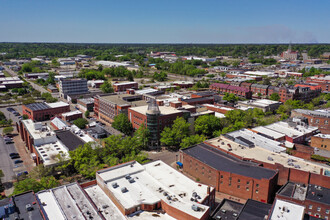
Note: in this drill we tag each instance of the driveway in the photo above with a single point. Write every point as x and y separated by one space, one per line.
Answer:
166 156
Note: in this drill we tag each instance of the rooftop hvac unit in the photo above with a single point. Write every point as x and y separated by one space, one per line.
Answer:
114 185
127 176
131 180
124 189
195 208
270 158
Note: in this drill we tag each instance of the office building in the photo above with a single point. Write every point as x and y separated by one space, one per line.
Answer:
74 86
265 105
44 111
120 87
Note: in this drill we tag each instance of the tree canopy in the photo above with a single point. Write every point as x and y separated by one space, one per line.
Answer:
173 136
106 87
80 123
122 123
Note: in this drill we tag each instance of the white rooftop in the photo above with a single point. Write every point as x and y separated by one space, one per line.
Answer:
110 63
285 128
286 210
260 73
152 183
124 83
145 91
59 123
326 136
259 140
259 102
66 114
104 203
260 153
269 132
57 104
67 202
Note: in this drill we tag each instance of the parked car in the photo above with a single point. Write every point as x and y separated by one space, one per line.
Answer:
18 161
22 173
8 141
15 157
12 154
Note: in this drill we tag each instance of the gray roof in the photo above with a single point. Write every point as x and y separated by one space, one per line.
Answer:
24 199
70 140
37 106
254 210
224 162
318 194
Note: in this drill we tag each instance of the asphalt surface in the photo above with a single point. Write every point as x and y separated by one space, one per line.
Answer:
6 163
167 157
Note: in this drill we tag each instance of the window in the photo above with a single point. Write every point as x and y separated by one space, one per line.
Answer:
247 189
229 184
317 121
311 120
238 180
257 191
221 182
326 122
310 207
247 182
327 211
238 186
221 176
318 209
257 185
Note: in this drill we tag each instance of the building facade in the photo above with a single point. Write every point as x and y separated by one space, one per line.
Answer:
75 86
44 111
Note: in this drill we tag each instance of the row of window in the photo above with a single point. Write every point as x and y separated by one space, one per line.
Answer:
327 211
317 121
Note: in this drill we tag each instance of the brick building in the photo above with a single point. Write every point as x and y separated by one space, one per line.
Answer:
71 116
86 104
197 101
322 80
120 87
155 186
316 118
156 118
259 88
228 174
226 88
44 111
321 141
305 94
315 199
107 107
183 84
41 142
290 168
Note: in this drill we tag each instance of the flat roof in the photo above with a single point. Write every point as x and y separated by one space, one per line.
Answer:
104 203
258 140
37 106
164 110
254 210
269 132
318 194
222 161
227 209
119 99
287 210
57 104
296 131
326 136
317 113
152 183
87 100
259 103
27 198
261 154
48 152
76 112
125 83
49 204
72 201
70 140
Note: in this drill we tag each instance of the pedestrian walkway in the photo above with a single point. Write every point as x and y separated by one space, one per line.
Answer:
23 152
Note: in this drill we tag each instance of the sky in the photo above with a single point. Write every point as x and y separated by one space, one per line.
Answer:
167 21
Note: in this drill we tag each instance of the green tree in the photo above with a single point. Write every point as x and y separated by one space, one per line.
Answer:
142 136
25 117
35 185
87 113
230 97
80 123
207 124
100 67
7 130
275 97
106 87
130 76
192 140
173 136
122 123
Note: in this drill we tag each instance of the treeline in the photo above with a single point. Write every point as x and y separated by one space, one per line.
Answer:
101 73
139 51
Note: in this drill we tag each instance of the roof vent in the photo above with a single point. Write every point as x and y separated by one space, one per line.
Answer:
114 185
124 189
195 208
131 180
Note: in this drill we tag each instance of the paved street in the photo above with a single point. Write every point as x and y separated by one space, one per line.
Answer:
11 72
6 163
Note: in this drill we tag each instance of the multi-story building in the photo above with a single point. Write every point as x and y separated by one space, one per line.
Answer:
156 118
321 141
86 104
153 186
107 107
263 151
74 86
314 198
70 116
290 55
228 174
44 111
317 118
305 94
259 88
322 80
226 88
265 105
120 87
41 142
